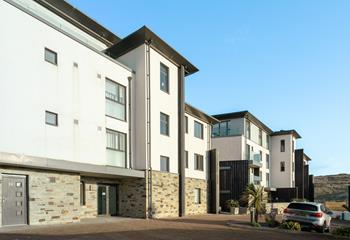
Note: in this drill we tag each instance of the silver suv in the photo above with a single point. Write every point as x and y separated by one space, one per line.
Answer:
309 215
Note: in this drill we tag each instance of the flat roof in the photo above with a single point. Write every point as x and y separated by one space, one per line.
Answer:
80 20
200 114
287 132
145 35
243 114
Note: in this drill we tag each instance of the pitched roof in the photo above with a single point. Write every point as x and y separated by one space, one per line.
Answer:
243 114
199 114
145 35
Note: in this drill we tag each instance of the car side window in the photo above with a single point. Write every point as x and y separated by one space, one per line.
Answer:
323 209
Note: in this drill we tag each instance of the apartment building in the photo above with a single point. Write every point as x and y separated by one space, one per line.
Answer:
95 125
250 152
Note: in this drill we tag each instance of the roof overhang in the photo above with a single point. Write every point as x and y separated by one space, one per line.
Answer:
145 35
243 114
93 170
200 115
292 132
80 20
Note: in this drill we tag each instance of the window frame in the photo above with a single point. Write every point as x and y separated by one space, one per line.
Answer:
248 129
116 101
267 160
167 122
82 193
186 159
282 166
52 52
118 149
202 129
198 162
283 145
162 65
199 192
56 117
186 124
162 157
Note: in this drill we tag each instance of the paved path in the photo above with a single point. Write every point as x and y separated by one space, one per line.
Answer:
199 227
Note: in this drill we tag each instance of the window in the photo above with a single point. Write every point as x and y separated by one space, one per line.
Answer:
51 118
260 155
198 130
115 100
164 78
164 164
260 137
164 124
247 152
267 180
82 193
197 196
267 161
283 145
186 124
283 166
116 148
293 146
50 56
247 130
186 159
267 141
198 162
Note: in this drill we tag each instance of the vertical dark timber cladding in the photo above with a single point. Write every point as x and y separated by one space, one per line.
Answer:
181 139
233 180
213 182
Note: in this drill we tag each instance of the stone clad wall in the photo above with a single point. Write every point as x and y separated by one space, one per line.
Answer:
53 197
133 198
165 194
191 207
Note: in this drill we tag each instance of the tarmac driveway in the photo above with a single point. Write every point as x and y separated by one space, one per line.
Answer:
198 227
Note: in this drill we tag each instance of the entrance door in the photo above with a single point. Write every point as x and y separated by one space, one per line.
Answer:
14 200
107 200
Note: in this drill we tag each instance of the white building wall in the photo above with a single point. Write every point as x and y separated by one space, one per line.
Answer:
287 178
199 146
29 86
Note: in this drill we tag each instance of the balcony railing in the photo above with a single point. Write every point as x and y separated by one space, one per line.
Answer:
256 180
255 161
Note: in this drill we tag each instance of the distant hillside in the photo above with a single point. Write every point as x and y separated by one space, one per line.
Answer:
332 187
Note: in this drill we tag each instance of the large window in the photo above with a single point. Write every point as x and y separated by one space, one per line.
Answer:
51 118
164 124
115 100
226 128
247 129
197 196
198 130
260 137
164 78
116 148
267 161
283 166
283 145
164 164
198 162
50 56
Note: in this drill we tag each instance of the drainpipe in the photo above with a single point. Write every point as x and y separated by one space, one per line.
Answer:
129 121
181 139
148 128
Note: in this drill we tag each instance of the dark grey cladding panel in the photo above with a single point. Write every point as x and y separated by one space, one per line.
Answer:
7 159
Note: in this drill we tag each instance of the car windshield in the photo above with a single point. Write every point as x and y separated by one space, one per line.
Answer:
302 206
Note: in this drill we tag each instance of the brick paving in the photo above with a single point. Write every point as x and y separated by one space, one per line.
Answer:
204 227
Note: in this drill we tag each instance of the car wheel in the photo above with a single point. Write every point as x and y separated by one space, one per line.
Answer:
322 229
328 228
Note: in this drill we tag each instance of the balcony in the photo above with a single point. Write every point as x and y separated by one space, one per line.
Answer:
256 180
255 161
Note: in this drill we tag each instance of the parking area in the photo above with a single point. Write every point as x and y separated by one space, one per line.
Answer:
196 227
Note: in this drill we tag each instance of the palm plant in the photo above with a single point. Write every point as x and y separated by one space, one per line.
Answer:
255 197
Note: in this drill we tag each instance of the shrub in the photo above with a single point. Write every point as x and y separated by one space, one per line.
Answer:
293 226
345 232
255 224
271 221
232 203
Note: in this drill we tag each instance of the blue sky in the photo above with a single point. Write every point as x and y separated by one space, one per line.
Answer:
287 62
